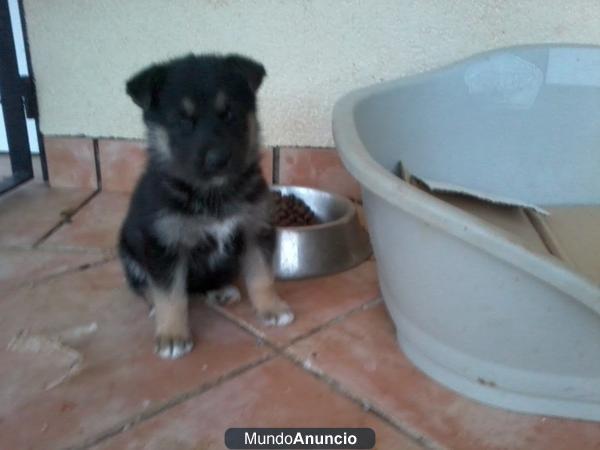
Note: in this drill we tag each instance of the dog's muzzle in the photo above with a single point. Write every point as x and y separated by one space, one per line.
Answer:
216 159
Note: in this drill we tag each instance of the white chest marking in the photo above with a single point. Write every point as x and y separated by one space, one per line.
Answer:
176 230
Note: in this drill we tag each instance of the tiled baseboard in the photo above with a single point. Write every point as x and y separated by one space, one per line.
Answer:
71 162
320 168
116 164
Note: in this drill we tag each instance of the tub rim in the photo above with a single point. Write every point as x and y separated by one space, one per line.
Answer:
435 212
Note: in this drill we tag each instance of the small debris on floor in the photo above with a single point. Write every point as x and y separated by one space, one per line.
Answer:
55 347
73 335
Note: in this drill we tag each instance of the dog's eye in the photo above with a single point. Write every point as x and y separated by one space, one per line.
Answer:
226 115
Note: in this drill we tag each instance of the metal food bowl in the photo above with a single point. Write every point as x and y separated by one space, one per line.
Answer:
336 244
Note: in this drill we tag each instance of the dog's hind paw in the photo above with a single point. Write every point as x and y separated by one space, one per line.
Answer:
172 347
278 316
223 296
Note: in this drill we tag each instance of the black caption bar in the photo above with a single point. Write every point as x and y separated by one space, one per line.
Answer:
299 438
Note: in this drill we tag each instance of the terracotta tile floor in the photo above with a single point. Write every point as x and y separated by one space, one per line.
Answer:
337 365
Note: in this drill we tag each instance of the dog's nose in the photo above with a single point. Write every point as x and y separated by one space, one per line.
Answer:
216 159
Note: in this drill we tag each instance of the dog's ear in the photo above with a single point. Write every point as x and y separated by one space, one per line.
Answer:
145 86
253 71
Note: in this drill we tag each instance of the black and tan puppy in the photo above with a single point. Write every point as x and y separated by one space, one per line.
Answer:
199 216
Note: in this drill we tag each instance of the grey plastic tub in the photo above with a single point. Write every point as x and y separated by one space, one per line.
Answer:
499 303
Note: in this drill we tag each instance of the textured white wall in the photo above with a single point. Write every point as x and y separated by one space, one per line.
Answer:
314 50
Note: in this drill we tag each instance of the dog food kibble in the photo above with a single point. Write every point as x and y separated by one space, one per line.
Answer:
290 211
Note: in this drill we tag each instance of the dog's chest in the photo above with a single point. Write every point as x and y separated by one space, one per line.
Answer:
191 232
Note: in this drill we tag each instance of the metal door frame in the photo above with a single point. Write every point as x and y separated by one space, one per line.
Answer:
18 103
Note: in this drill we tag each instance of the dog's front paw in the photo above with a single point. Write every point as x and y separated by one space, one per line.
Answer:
224 296
277 314
172 347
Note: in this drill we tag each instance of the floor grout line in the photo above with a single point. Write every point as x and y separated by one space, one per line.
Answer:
97 164
363 307
67 215
275 165
79 268
368 407
259 334
77 250
285 352
248 327
177 400
277 350
17 247
46 278
56 249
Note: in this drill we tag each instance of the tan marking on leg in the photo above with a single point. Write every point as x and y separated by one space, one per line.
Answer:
171 316
173 338
260 284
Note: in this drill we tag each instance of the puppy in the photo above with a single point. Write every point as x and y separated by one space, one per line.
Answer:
200 214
